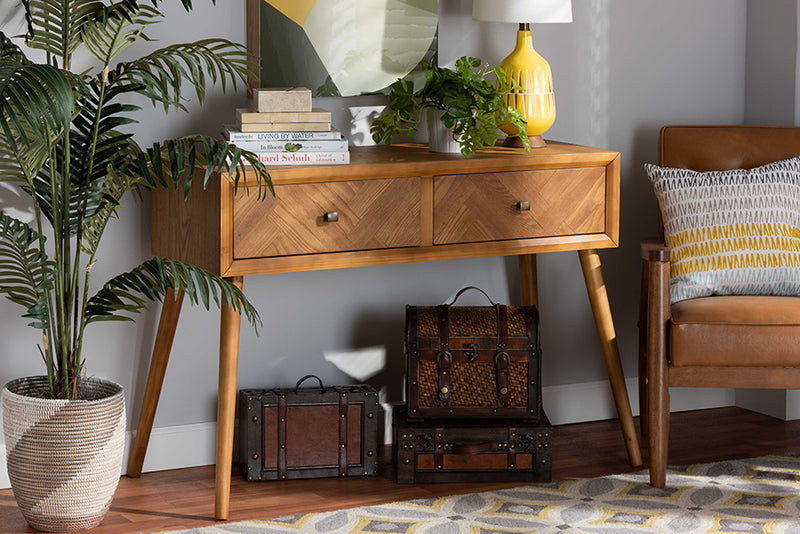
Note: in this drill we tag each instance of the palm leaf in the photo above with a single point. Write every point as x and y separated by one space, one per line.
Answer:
25 272
57 26
34 99
171 163
106 39
114 187
129 292
163 73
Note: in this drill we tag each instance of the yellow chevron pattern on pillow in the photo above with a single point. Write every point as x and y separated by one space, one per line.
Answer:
731 232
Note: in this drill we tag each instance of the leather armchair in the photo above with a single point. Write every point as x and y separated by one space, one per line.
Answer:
717 341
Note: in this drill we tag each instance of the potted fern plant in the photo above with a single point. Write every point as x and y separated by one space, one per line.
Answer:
463 100
63 144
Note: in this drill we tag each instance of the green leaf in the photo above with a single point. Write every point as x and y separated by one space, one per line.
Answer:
162 73
129 292
217 157
35 100
25 272
105 39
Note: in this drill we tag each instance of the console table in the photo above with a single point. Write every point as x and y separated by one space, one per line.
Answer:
391 204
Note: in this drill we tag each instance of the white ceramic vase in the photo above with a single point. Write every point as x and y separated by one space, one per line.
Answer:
440 137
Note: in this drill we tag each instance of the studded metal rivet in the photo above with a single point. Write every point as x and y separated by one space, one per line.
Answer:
255 418
343 445
370 453
283 445
283 477
283 419
255 457
406 462
511 466
249 398
249 469
342 416
543 462
370 415
249 408
283 396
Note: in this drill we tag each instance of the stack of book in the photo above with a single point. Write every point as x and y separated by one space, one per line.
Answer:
284 129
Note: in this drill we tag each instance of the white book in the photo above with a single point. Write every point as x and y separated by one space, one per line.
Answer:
304 158
299 145
234 133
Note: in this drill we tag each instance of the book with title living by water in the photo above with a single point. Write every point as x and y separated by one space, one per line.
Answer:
235 134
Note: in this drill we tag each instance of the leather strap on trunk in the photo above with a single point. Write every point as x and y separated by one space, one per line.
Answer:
533 385
282 436
444 359
342 434
501 359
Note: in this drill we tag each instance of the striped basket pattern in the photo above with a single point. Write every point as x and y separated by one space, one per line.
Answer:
731 232
64 456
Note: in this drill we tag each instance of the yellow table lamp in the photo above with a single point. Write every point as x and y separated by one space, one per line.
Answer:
524 65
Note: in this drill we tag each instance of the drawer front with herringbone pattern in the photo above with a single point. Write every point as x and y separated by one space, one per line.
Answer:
369 214
471 208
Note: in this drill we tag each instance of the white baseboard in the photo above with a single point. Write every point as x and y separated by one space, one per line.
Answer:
193 445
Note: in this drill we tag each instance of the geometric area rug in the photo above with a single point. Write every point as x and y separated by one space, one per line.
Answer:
755 495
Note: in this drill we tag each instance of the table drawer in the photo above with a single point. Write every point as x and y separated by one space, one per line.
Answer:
372 214
484 207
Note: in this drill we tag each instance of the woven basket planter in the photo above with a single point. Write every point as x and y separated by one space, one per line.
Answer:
64 456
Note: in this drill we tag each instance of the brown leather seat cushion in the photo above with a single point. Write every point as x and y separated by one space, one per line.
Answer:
736 330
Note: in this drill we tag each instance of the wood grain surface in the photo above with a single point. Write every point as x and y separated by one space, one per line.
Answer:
372 214
183 498
483 207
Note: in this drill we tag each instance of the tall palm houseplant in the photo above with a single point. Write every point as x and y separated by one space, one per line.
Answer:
63 143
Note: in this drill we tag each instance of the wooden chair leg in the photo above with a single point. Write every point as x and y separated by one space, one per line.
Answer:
657 372
643 419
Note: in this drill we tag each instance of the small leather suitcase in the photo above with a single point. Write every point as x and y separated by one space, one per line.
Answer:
459 450
473 361
309 432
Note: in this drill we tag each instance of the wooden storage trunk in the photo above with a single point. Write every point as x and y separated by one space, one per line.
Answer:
473 361
309 432
459 450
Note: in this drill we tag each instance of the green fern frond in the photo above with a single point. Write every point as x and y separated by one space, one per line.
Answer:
129 292
25 272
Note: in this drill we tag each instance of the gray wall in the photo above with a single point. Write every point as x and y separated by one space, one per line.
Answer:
623 69
771 62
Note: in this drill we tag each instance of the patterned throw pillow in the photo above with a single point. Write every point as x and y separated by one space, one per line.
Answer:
731 232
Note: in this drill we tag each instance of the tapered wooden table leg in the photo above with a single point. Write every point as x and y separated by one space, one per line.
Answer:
226 403
598 297
527 276
165 334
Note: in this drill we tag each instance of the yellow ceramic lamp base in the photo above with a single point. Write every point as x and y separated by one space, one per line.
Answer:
536 99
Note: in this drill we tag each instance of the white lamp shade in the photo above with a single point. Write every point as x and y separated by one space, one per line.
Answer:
521 11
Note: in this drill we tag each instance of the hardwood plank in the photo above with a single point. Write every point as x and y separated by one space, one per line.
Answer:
183 498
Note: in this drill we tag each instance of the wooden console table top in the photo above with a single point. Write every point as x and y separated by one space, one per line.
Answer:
391 204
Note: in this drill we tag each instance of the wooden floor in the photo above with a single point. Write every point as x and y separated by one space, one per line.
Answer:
184 498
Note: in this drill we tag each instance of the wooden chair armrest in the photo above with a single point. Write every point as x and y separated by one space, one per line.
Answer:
655 250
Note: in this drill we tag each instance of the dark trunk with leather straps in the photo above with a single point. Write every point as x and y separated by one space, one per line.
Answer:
309 432
473 361
513 450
